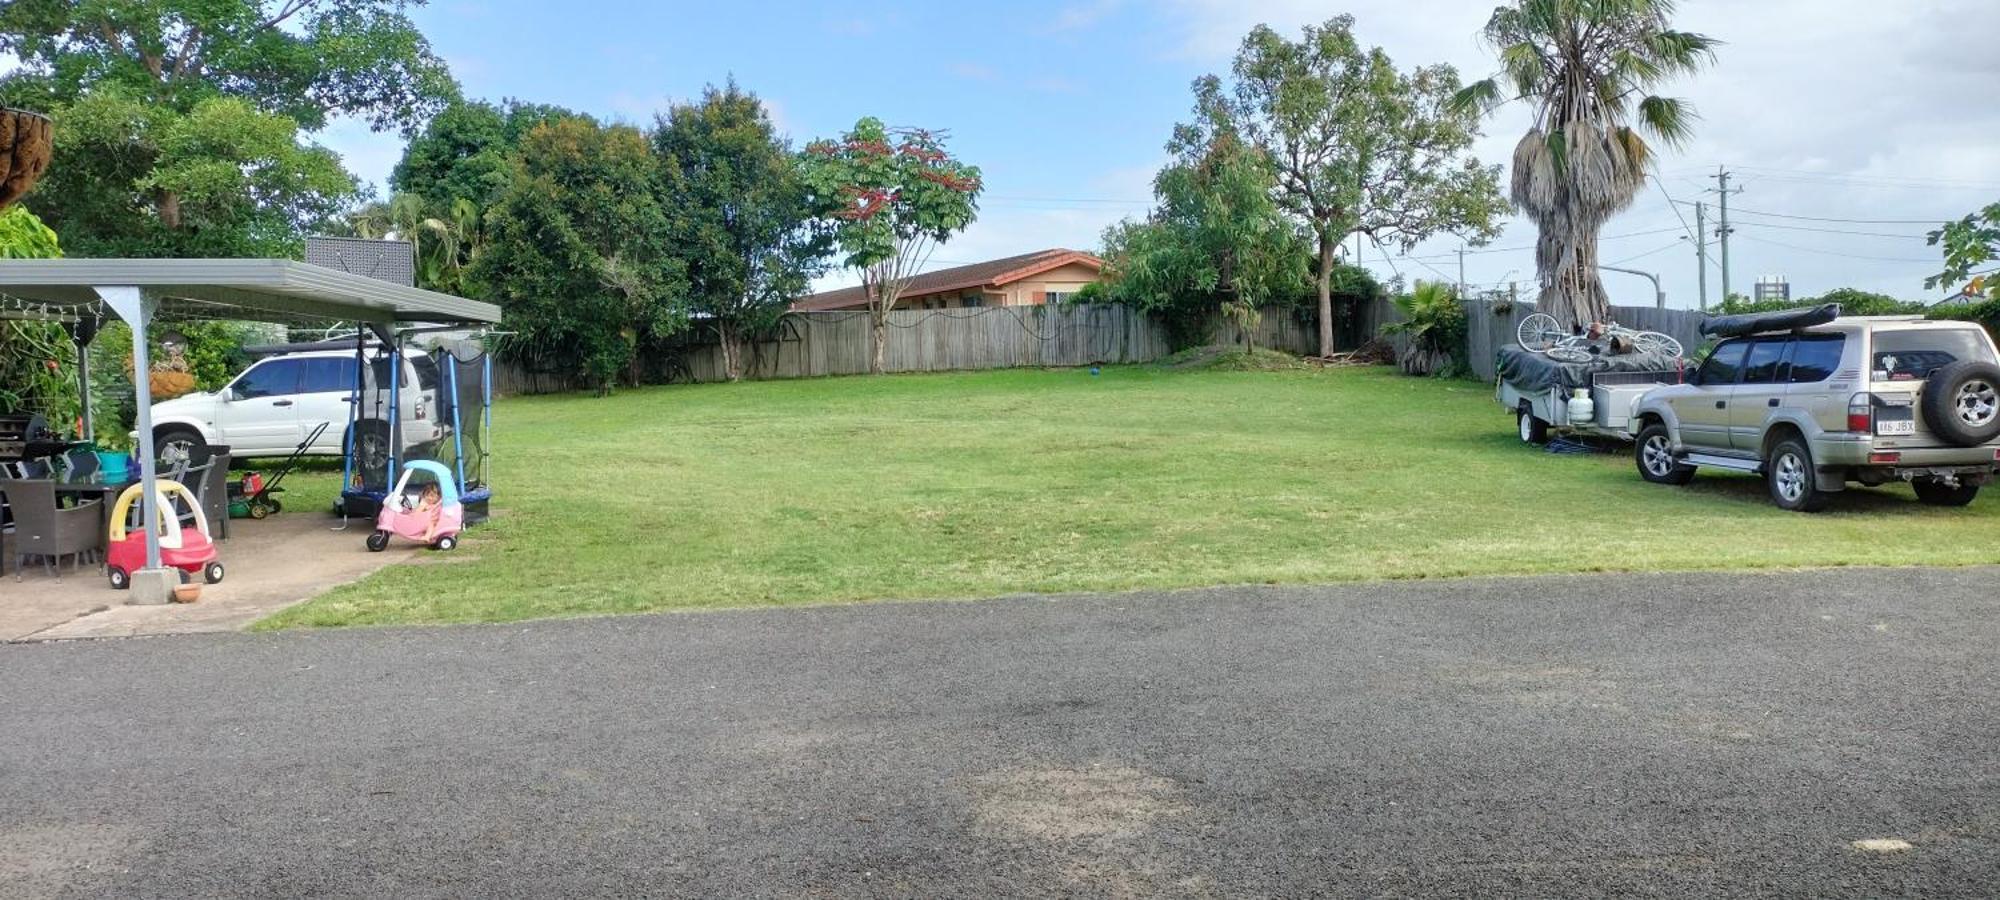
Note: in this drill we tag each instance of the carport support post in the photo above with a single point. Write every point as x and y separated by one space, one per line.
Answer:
151 585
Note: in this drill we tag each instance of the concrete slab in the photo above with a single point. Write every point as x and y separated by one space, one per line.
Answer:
273 563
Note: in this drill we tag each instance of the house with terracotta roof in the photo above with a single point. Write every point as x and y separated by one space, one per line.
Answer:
1031 279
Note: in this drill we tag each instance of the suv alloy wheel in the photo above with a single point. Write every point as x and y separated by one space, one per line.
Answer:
1793 480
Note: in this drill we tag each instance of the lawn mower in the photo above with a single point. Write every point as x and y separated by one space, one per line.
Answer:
186 549
408 512
252 496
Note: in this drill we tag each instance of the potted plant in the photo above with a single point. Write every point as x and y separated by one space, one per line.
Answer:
25 147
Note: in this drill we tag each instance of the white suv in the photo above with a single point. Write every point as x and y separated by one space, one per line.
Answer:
271 407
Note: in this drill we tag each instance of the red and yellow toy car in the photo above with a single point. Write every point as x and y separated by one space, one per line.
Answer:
186 549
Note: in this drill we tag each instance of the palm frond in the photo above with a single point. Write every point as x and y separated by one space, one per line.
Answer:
1681 51
1671 118
1478 97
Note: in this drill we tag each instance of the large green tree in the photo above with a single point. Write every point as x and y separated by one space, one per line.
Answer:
222 179
743 224
1357 145
1216 243
578 253
464 152
155 100
891 196
1588 68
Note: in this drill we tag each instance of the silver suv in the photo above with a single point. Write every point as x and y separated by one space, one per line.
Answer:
1856 399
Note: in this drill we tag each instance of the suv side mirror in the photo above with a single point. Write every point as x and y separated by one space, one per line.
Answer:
1693 376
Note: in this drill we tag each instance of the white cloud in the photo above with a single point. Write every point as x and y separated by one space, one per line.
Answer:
1834 108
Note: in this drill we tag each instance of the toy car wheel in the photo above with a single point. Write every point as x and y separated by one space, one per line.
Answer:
378 542
212 573
446 543
120 580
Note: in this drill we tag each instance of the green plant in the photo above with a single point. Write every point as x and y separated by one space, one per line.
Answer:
1986 313
1358 145
1852 302
1435 328
1968 243
37 359
891 196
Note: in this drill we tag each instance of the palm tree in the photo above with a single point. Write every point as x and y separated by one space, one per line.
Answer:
1588 67
435 242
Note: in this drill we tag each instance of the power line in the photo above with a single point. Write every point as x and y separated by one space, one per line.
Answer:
1644 255
1840 253
1838 220
1885 234
1608 237
1887 180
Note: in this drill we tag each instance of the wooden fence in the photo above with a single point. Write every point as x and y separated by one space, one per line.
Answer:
813 344
816 344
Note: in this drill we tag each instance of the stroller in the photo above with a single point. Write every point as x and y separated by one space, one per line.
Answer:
401 516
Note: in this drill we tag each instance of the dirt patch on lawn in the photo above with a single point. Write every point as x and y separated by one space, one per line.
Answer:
1217 358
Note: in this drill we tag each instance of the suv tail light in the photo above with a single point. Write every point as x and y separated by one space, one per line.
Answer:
1861 413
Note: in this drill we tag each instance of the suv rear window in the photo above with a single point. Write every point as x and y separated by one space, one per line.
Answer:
1816 357
1912 354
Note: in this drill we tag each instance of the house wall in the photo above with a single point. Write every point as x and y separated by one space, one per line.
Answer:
1066 279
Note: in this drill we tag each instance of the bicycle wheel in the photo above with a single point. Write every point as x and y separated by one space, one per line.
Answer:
1571 354
1539 332
1656 342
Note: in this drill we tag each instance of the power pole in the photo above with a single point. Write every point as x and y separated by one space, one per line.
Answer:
1461 271
1722 229
1701 252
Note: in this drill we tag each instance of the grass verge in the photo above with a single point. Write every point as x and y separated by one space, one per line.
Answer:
970 485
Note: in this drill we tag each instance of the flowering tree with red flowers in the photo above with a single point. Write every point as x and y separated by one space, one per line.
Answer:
892 196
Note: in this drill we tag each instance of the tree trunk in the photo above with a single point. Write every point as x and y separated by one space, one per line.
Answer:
880 319
1325 286
1572 292
169 204
732 352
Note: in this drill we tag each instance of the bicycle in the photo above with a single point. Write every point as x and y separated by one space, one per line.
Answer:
1540 333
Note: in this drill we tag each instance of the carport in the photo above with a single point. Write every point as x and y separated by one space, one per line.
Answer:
83 294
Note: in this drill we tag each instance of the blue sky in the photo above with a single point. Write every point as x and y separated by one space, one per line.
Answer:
1854 113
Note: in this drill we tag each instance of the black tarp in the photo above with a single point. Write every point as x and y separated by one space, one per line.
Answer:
1766 322
1533 373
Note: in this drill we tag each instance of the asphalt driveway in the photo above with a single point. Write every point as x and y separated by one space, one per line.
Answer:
1583 736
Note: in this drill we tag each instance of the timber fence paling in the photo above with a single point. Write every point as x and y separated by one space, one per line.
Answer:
841 342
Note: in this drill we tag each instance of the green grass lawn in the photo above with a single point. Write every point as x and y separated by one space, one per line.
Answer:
970 485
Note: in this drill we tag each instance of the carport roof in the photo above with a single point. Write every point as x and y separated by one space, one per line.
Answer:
278 290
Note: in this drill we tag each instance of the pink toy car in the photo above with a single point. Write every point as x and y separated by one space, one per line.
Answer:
402 514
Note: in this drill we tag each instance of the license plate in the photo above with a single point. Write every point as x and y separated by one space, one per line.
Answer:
1896 428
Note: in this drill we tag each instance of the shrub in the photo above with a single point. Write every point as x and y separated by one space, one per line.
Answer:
1435 328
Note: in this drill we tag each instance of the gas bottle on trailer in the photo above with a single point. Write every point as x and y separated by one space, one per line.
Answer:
1581 407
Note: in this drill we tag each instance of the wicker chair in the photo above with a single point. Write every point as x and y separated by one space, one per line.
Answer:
213 489
45 530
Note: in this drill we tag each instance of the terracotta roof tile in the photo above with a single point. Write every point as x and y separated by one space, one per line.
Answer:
994 273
